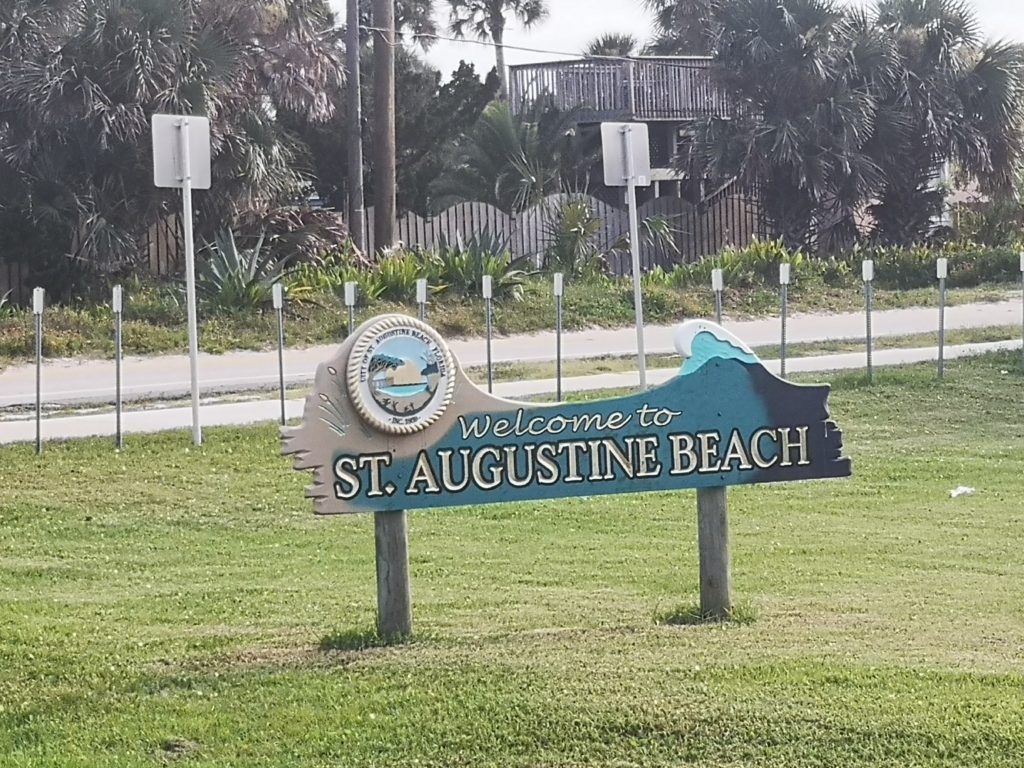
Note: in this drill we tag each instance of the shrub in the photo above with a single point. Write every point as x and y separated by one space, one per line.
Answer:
572 240
397 272
998 223
971 264
754 265
154 303
328 272
459 267
293 234
233 280
897 267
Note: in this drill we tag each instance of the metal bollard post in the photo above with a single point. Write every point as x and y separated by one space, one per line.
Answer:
717 285
559 290
117 304
350 302
421 297
1022 308
487 290
38 298
279 309
941 271
783 312
868 274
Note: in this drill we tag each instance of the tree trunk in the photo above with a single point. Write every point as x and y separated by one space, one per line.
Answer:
384 123
499 55
355 129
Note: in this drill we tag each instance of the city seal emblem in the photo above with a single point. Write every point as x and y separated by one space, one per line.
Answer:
400 375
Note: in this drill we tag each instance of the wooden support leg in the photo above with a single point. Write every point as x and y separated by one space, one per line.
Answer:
713 546
394 597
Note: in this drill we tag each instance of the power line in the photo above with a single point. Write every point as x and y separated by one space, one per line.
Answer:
546 51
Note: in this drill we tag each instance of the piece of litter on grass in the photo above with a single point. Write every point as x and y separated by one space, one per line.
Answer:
961 490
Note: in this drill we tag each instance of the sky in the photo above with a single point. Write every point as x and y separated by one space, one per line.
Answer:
573 23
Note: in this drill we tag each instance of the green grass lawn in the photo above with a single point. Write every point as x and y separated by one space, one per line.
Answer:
173 605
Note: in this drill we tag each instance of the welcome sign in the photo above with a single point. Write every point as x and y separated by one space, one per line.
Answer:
393 423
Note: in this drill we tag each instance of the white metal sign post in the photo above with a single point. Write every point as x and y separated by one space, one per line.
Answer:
867 268
350 302
38 300
1022 305
783 314
718 285
277 297
181 159
487 290
421 297
627 162
559 292
117 305
942 272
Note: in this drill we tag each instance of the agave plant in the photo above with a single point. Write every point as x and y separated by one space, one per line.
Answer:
397 273
233 279
460 266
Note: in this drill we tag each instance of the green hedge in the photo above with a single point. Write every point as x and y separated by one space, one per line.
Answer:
757 265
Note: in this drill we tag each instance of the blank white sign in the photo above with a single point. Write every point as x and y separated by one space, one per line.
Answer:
613 144
167 166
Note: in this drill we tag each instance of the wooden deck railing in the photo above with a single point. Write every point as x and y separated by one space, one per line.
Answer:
669 88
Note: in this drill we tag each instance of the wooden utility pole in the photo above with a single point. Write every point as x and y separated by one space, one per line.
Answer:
384 123
353 88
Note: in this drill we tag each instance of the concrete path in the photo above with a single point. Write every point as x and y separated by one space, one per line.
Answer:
156 419
150 378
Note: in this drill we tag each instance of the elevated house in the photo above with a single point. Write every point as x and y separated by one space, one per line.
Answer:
667 93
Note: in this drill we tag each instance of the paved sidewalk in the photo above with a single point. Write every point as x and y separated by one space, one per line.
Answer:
220 414
149 378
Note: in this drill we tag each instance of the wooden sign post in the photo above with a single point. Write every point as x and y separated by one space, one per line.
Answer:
394 424
394 594
713 552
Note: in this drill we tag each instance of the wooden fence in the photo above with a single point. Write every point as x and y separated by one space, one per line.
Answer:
14 282
729 217
160 253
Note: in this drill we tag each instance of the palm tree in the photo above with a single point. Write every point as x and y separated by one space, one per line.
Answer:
485 20
958 101
512 161
612 44
77 90
682 27
803 74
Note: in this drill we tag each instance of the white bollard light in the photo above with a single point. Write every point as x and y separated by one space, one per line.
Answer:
38 299
783 274
717 280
